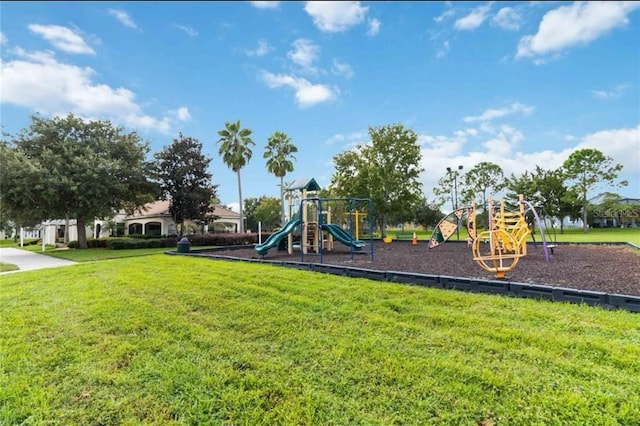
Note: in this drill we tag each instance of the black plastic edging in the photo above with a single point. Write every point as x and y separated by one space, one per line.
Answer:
424 280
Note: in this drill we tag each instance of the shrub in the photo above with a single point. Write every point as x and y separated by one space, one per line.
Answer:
129 242
143 236
135 243
225 239
97 242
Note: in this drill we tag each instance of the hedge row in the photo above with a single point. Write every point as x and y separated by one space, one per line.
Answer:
196 240
225 239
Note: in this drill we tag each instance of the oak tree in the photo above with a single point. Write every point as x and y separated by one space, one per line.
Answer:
386 170
68 167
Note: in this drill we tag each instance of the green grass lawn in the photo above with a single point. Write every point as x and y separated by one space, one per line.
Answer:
4 267
94 254
175 340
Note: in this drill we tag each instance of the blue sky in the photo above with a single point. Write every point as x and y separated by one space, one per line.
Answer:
516 83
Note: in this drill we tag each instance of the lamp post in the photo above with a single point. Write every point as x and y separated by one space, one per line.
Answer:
454 199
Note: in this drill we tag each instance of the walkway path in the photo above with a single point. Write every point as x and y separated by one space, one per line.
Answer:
27 260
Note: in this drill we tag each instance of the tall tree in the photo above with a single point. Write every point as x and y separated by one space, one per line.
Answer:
544 188
525 184
67 167
427 214
386 171
234 146
444 190
482 181
279 153
181 173
268 212
584 169
250 206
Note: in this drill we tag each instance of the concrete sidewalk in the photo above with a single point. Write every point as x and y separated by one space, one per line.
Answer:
26 260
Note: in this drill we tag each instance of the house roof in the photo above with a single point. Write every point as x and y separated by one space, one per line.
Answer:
308 184
224 213
600 198
157 208
161 208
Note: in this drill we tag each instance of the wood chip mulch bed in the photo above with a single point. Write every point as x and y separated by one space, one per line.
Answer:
613 269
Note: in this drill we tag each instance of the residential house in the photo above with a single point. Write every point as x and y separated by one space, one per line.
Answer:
155 219
152 219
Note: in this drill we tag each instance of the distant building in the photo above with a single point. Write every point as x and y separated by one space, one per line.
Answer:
604 216
151 219
155 219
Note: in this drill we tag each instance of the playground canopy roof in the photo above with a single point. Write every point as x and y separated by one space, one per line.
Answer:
299 184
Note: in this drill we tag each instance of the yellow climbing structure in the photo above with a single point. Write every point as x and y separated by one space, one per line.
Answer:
499 249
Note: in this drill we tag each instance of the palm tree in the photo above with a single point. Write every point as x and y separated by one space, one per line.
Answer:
235 149
279 151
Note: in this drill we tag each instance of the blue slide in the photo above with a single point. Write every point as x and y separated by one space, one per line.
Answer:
275 238
343 236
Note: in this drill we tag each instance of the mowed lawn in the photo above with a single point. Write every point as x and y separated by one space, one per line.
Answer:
175 340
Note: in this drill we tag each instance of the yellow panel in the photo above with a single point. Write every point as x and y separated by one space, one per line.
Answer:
447 229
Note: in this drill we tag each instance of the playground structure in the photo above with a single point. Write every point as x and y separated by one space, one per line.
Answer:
316 219
499 248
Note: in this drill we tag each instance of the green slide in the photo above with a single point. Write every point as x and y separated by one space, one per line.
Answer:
343 236
275 238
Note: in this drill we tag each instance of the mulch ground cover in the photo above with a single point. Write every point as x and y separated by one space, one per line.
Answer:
605 268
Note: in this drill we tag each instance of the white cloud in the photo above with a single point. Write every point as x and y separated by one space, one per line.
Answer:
38 81
191 32
235 206
62 38
350 141
374 27
622 145
265 4
304 54
335 16
306 93
492 113
335 139
442 51
440 152
610 94
341 68
445 15
507 18
3 39
183 114
262 49
123 17
474 19
577 24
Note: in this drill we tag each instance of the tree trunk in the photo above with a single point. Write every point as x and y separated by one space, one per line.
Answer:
585 227
383 225
282 213
66 231
240 206
82 233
